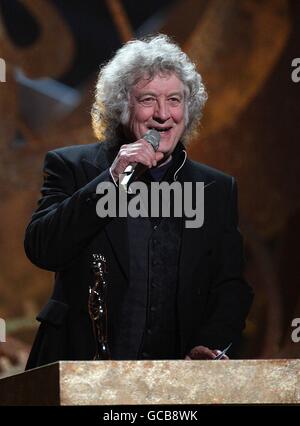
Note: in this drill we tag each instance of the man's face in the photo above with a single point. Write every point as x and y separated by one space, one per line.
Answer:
158 104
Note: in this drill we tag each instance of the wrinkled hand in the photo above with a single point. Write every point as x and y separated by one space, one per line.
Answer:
140 151
202 352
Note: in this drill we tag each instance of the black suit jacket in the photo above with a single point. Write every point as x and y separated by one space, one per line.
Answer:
213 298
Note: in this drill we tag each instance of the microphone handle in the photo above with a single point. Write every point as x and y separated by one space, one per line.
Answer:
131 173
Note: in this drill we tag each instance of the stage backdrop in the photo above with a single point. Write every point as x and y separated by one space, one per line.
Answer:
246 51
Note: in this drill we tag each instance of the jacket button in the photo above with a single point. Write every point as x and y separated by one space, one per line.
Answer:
91 197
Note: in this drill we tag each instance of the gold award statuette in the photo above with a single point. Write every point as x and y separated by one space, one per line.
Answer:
97 307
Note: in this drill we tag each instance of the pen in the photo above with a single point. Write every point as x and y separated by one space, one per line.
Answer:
223 352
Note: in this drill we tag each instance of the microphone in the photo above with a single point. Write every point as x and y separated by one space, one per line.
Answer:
135 170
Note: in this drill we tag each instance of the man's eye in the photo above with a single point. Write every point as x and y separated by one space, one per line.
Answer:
147 101
174 101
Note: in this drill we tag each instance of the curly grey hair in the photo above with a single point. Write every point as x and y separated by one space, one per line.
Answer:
135 60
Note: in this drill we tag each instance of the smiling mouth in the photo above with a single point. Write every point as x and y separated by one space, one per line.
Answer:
161 129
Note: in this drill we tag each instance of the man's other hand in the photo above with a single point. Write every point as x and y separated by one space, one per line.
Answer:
202 352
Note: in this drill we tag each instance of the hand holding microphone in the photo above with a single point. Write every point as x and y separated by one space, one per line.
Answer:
135 158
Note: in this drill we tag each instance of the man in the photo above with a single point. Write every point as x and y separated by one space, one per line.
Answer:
173 292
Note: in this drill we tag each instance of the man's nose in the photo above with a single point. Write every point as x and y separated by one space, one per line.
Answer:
161 112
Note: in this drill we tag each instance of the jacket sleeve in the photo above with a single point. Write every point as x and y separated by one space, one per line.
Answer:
230 297
65 219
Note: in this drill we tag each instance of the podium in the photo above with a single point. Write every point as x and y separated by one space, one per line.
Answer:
155 382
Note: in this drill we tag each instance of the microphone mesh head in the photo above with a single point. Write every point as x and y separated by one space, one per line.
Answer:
153 137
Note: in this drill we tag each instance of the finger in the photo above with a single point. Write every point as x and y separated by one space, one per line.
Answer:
224 357
138 157
155 155
141 158
146 146
159 156
134 150
140 146
202 352
143 148
143 152
218 352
